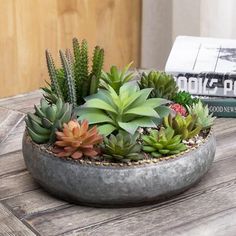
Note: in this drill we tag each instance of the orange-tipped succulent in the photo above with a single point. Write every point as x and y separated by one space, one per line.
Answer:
77 140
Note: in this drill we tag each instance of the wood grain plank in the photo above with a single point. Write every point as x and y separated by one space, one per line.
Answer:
11 163
157 220
221 224
10 225
35 202
23 102
60 221
8 121
13 142
27 30
13 185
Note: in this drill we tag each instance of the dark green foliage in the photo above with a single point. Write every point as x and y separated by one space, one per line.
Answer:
164 85
185 99
121 148
163 142
73 82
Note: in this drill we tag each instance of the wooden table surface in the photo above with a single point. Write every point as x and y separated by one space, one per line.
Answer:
209 208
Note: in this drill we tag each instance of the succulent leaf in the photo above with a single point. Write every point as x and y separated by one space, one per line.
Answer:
116 78
73 82
121 148
124 110
163 142
187 127
42 125
164 86
77 140
184 98
201 112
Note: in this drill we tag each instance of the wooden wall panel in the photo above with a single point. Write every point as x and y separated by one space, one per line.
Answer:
28 27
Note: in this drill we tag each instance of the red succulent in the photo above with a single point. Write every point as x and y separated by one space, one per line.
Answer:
179 109
77 140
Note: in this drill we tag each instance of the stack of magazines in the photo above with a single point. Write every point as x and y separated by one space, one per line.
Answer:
206 68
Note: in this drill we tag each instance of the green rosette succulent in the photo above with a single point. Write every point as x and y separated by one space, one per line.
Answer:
116 78
41 125
121 148
127 110
187 126
164 85
204 119
163 142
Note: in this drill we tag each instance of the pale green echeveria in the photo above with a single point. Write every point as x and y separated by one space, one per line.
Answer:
127 110
204 118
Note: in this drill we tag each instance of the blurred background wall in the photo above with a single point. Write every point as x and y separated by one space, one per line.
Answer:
138 30
163 20
28 27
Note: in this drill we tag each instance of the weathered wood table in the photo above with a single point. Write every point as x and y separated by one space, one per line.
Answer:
25 209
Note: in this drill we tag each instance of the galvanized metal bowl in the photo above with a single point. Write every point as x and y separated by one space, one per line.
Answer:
95 184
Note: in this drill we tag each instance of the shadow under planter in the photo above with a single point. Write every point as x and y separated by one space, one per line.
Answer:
90 184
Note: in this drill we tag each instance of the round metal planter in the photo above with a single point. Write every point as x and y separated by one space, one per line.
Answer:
96 184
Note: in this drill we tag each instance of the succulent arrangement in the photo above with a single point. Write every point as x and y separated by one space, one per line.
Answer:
47 118
112 116
163 142
204 119
122 147
187 127
163 85
77 140
73 81
127 110
184 98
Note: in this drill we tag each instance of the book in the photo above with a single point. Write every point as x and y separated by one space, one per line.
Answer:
206 67
221 107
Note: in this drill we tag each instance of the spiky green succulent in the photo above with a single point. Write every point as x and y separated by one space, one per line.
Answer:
41 125
163 142
184 98
121 148
204 119
126 110
164 85
73 81
187 126
116 78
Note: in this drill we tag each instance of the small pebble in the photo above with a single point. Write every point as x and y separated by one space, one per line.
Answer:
191 141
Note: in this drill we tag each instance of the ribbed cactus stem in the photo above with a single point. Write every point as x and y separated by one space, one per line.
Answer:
98 59
53 74
69 76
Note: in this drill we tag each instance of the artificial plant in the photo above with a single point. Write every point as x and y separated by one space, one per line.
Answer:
47 118
163 142
74 81
164 85
127 110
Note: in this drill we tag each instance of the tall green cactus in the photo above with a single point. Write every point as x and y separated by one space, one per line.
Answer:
73 82
69 75
98 58
53 75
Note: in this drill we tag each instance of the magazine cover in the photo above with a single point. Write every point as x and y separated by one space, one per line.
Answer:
206 67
